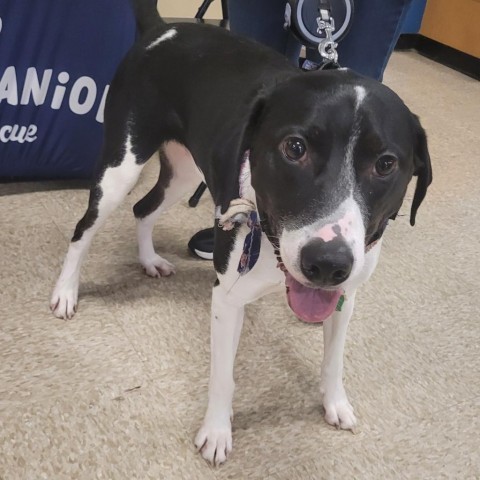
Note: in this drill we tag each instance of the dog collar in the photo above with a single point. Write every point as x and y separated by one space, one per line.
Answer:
251 245
376 236
244 211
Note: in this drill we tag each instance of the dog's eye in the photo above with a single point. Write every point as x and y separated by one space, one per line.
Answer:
294 148
385 165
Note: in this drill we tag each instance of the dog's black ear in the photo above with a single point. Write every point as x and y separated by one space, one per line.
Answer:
423 167
239 143
257 111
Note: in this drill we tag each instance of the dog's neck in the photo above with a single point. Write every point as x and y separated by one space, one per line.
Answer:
245 188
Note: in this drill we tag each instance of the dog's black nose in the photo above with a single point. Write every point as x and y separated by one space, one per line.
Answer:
326 263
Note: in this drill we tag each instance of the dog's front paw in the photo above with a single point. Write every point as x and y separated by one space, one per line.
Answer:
214 440
338 410
157 266
63 303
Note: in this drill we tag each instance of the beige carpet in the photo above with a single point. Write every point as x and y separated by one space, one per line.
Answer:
119 391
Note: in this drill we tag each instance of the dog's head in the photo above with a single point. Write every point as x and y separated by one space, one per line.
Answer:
331 158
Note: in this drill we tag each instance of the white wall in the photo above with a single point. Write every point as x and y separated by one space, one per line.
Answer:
188 8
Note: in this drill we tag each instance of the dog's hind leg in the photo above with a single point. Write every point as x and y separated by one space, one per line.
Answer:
178 176
121 167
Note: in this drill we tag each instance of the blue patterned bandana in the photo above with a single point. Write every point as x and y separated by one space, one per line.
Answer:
251 245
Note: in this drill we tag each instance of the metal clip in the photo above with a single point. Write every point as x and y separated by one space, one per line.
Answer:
327 47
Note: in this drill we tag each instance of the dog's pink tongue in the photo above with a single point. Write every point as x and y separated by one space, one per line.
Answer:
311 305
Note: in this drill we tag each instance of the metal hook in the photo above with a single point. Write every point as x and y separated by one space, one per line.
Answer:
327 50
327 47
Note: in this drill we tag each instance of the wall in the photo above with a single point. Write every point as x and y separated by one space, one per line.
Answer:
455 23
188 8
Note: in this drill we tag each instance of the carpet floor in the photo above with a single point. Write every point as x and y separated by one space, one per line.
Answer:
119 391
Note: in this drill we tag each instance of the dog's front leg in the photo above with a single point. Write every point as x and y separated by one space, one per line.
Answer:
214 438
338 410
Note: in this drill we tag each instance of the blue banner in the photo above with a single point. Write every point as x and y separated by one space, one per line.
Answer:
57 58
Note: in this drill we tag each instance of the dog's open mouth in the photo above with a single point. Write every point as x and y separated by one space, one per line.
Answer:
312 305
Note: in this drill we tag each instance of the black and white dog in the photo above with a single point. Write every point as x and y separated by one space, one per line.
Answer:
305 170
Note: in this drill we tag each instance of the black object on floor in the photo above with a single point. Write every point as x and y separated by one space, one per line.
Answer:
201 244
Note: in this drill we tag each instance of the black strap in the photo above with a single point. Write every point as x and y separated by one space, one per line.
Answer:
329 66
325 5
378 234
308 65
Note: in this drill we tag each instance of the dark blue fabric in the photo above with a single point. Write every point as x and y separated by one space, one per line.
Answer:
263 21
366 49
376 26
83 41
413 19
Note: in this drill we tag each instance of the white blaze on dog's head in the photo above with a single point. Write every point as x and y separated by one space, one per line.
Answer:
361 94
345 224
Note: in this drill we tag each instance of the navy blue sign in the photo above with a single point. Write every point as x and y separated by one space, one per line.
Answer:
57 58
